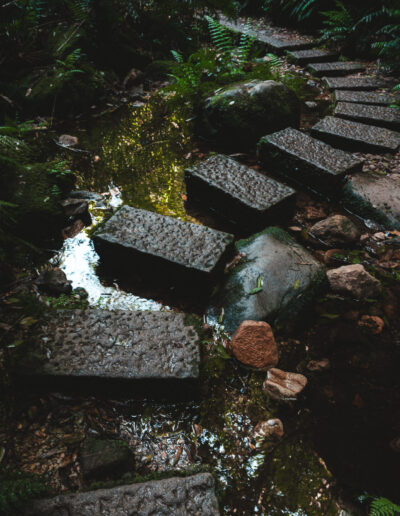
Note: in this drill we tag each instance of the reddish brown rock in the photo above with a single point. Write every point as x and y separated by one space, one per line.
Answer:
273 428
337 229
353 280
372 323
254 345
283 385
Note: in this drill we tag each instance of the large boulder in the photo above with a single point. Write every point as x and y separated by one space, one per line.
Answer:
239 115
289 277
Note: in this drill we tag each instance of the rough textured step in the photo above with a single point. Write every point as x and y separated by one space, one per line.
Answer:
172 496
276 43
356 136
118 345
376 198
162 245
374 115
305 159
313 55
335 69
353 83
364 97
239 193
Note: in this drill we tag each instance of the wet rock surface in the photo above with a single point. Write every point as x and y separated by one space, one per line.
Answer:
54 282
254 345
118 345
353 83
355 281
103 459
375 197
375 115
188 495
239 115
283 385
74 207
239 193
364 97
335 69
314 55
289 274
306 159
150 241
356 136
336 230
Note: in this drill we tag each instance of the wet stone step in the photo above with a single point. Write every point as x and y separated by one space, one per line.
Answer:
154 244
313 55
375 115
353 83
364 97
306 160
238 192
376 198
176 495
335 69
356 136
119 345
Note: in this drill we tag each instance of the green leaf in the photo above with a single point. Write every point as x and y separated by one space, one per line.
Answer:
255 291
28 321
222 352
259 282
296 284
330 316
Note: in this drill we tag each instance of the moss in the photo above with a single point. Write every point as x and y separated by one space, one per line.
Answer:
197 323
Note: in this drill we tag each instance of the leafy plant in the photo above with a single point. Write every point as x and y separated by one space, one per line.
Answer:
338 23
383 507
16 488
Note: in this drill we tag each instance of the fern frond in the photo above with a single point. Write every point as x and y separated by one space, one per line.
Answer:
220 36
384 507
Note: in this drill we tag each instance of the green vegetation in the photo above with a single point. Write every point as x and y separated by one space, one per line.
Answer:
16 488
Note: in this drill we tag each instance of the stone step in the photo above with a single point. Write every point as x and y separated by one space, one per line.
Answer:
96 344
305 159
335 69
313 55
273 41
155 244
353 83
375 197
374 115
364 97
176 495
356 136
239 193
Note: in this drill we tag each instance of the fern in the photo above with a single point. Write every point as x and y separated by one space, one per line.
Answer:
339 23
245 44
220 36
383 507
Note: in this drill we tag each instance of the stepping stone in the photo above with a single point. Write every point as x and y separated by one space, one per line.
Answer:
356 136
239 193
314 55
375 115
118 345
375 197
290 278
353 83
335 69
305 159
176 495
154 243
364 97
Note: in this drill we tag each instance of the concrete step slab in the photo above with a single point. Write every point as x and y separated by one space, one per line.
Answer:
375 115
353 83
306 160
356 136
313 55
364 97
237 192
176 495
335 69
156 245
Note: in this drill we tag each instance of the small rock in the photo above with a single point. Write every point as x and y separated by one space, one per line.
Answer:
72 230
272 428
371 323
312 106
337 229
67 140
319 365
353 280
105 459
282 385
395 444
254 345
54 281
74 207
